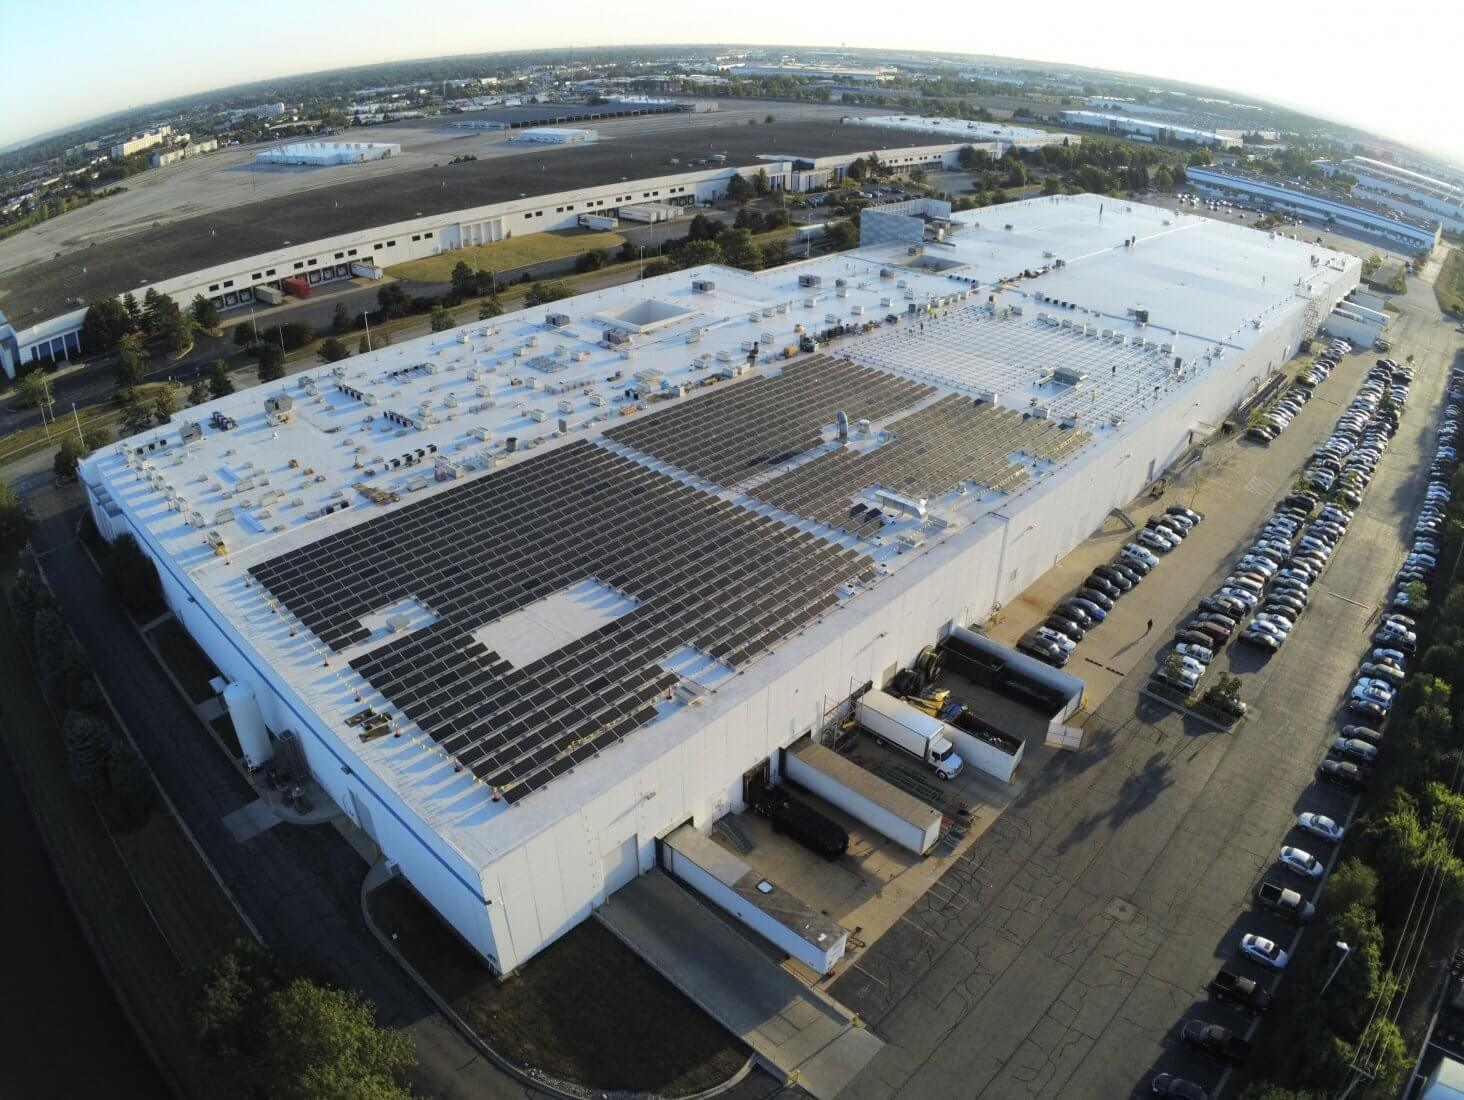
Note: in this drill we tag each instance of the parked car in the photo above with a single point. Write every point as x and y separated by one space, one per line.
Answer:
1171 1087
1263 951
1202 654
1342 774
1301 862
1240 992
1363 733
1213 1040
1320 825
1284 902
1350 748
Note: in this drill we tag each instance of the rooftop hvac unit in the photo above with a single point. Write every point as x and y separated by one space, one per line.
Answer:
627 352
886 273
841 282
579 356
754 316
694 336
190 430
531 342
566 406
810 280
808 303
767 311
724 356
1016 310
538 416
615 336
767 338
556 320
703 286
856 311
1166 349
751 345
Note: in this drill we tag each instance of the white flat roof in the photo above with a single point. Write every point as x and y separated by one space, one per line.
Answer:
960 129
432 416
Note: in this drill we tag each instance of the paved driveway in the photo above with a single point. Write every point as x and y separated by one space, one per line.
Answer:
1080 930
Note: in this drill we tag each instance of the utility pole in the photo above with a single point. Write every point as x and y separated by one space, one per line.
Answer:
366 316
1346 950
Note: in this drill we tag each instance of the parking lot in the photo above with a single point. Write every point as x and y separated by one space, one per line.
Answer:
1093 912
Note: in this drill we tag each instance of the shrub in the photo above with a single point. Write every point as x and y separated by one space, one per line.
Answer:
130 574
88 749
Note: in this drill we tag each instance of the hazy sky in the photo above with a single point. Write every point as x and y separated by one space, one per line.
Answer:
66 61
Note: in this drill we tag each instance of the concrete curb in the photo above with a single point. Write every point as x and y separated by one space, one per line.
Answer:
548 1085
1196 715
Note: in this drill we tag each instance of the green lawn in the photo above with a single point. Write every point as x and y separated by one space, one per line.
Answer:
585 1010
1449 286
154 948
506 255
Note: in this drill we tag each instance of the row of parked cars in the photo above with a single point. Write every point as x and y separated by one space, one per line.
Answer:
1278 416
1055 639
1231 987
1382 670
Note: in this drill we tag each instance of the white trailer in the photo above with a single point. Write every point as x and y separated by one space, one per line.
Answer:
650 212
864 796
363 270
268 295
598 221
892 721
778 916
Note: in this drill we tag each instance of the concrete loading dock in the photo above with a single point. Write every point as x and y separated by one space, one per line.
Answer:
864 796
769 910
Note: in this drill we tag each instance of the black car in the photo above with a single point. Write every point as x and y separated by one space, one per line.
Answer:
1065 627
1225 605
1114 576
1137 566
1340 773
1104 585
1070 610
1092 595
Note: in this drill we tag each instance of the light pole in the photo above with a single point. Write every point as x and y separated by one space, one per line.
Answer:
1346 950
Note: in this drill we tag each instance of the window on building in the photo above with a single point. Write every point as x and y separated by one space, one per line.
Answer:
310 262
299 264
391 244
255 275
271 271
351 252
427 236
416 236
213 286
340 255
228 282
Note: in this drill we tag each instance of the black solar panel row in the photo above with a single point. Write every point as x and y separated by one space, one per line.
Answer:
929 453
757 425
703 573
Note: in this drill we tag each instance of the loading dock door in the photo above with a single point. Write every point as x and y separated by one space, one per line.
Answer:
620 865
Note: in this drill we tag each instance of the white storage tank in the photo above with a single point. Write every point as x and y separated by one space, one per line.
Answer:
248 725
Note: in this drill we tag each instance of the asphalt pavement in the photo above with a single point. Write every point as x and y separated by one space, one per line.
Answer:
1079 932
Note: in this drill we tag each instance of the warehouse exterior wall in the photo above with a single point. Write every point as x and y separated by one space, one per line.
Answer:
439 873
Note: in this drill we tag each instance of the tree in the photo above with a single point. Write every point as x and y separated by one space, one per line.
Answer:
88 747
70 453
464 280
198 392
490 307
27 597
33 390
340 320
219 382
106 322
131 365
855 171
738 189
165 404
151 311
1353 882
441 320
393 301
16 519
137 415
760 182
592 260
1052 185
546 291
323 1044
130 574
702 228
280 1037
738 249
244 334
1417 593
776 219
291 335
130 780
332 350
205 313
134 312
841 235
177 333
271 362
769 120
696 253
774 253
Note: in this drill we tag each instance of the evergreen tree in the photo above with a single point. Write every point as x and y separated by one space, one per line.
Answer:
219 382
88 749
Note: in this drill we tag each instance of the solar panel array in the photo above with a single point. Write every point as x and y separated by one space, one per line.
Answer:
930 452
760 424
705 573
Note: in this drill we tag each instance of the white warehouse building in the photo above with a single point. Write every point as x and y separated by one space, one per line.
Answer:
1412 192
996 137
534 594
323 153
1150 129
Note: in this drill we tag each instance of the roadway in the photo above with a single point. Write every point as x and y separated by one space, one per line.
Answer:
1079 931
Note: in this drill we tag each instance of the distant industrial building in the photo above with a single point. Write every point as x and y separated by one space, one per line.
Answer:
317 235
263 111
1147 129
183 152
984 134
1411 192
322 153
1349 214
876 74
556 135
535 646
140 143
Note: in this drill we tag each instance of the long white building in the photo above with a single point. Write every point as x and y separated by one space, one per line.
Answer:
1151 129
533 594
1411 192
995 137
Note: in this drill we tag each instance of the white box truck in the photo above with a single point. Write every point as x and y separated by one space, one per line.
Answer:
891 721
598 221
363 270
